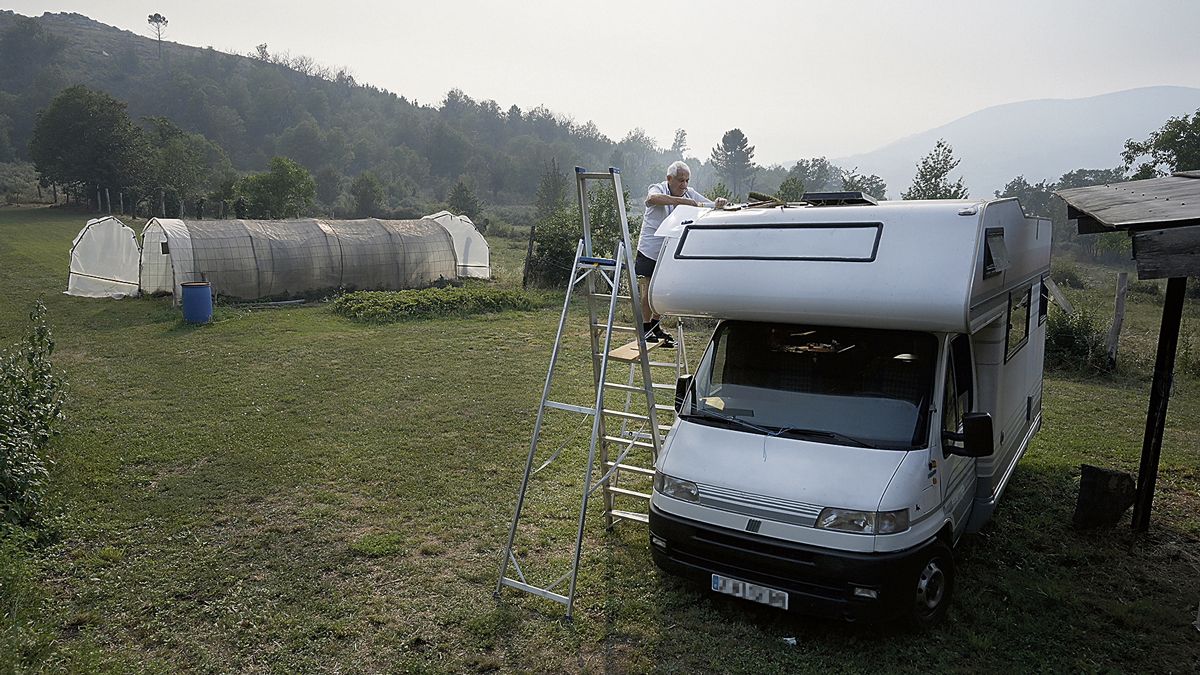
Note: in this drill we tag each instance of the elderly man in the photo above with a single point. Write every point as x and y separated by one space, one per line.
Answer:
661 199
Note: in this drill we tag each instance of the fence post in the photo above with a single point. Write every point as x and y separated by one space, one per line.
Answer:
1114 333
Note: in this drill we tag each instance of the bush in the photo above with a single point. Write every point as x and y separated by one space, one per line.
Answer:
1067 274
1075 342
557 237
391 306
1145 287
31 400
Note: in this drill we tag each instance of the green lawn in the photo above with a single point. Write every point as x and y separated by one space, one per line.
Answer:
285 490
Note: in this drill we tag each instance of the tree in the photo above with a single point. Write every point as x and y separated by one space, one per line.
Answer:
1175 145
733 160
25 48
933 176
790 190
680 145
551 193
178 164
85 139
285 191
1035 199
818 174
158 26
719 190
367 191
463 201
872 185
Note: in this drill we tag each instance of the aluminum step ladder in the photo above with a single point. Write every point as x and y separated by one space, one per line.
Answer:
625 439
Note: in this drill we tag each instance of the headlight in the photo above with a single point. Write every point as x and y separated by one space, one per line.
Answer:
863 522
685 490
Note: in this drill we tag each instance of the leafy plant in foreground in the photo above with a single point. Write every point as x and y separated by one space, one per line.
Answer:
31 400
391 306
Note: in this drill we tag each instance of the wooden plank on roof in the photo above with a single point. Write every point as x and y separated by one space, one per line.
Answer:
1167 253
1140 204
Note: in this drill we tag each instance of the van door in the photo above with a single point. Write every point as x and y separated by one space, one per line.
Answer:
958 472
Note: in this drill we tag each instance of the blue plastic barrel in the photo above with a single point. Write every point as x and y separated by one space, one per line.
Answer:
197 301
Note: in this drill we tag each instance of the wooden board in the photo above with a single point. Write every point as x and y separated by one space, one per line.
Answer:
629 351
1163 254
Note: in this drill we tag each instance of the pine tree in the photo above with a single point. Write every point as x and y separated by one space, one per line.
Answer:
551 192
463 201
933 176
733 160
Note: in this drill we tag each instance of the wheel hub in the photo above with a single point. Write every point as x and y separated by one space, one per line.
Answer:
931 586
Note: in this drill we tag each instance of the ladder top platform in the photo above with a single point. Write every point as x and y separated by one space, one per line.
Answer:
630 352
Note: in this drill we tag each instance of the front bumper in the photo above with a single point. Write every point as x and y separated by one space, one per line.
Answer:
818 580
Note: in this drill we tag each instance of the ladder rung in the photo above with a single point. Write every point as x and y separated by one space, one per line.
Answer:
626 415
627 329
609 295
634 469
629 515
627 387
663 364
589 262
665 387
629 493
628 441
540 592
571 408
664 408
593 175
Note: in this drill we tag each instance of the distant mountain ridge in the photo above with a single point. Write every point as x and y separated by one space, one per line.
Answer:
1039 139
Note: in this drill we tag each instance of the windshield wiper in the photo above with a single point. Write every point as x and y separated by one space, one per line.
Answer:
718 417
820 433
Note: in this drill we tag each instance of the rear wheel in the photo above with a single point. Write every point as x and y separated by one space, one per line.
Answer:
933 585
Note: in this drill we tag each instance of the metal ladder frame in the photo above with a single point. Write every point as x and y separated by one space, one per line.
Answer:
586 267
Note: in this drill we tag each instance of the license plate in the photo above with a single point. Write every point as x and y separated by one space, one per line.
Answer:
749 591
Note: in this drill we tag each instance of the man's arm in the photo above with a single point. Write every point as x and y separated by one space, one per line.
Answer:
655 199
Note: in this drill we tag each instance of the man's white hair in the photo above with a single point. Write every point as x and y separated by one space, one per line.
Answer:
678 167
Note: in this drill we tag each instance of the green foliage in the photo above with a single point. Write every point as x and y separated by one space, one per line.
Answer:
1066 274
1036 200
379 545
933 176
872 185
733 160
720 190
179 165
392 306
1147 287
790 190
557 237
25 48
551 193
367 192
1175 145
286 191
818 174
31 400
85 139
1075 342
462 201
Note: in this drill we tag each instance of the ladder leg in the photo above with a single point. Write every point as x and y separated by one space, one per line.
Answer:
537 425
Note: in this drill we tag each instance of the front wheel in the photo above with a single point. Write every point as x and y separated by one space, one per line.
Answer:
933 585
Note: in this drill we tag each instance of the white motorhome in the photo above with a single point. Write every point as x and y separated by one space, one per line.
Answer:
873 380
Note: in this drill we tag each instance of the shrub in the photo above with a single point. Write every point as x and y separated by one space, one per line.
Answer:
1145 287
1067 274
1075 342
31 400
391 306
557 237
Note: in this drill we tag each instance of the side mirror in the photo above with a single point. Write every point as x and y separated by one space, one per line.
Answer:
977 435
682 385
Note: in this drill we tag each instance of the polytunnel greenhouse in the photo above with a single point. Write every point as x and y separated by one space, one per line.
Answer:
252 259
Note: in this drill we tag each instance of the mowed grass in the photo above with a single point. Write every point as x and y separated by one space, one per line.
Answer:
286 491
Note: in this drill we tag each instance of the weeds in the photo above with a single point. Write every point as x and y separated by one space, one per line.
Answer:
1075 342
392 306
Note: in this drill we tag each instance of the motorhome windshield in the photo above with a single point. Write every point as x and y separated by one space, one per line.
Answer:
847 386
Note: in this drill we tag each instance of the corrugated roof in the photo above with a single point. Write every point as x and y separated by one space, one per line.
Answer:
1172 201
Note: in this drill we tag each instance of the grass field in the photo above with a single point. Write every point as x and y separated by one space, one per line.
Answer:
285 490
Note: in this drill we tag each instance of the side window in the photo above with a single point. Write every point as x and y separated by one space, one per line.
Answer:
1017 331
1043 304
957 400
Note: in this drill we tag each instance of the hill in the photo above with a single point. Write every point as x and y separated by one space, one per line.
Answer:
1041 139
258 107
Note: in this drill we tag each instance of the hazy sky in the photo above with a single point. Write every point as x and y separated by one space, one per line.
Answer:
801 79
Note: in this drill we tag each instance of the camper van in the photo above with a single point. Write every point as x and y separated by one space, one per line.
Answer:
873 377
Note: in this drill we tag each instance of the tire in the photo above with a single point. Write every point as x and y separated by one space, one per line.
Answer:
932 586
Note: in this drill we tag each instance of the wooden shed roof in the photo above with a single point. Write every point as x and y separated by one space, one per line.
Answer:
1172 201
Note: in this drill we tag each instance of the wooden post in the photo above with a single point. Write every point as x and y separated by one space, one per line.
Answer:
1057 294
108 200
99 204
121 201
1114 333
1160 395
528 255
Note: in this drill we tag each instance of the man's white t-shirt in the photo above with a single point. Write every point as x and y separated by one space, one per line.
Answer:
649 244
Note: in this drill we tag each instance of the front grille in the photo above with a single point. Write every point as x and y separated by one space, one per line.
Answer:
758 506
